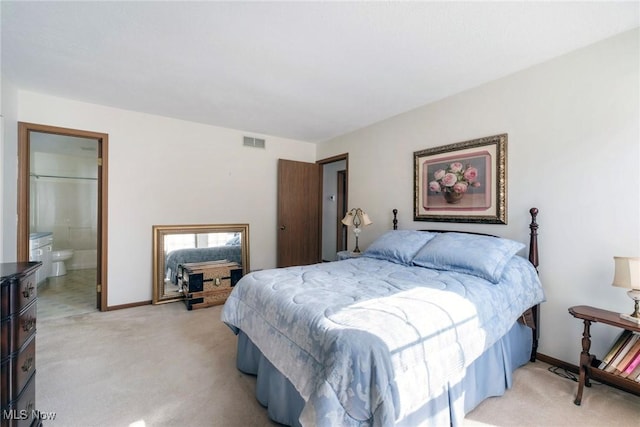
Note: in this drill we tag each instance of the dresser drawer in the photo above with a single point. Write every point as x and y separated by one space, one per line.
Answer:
17 328
21 412
27 290
17 294
17 369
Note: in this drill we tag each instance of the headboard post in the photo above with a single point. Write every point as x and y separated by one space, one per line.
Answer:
533 258
533 240
395 219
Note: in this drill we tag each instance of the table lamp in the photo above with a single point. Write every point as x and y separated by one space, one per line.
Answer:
356 217
627 275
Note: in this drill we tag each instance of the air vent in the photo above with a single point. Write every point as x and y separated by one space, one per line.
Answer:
253 142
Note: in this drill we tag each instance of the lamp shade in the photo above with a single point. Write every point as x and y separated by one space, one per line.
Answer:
348 219
356 217
365 219
627 272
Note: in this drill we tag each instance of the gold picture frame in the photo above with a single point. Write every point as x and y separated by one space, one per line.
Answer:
462 182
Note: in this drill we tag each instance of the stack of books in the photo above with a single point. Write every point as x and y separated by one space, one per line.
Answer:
623 358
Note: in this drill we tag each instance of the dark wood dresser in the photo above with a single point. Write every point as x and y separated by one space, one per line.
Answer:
18 350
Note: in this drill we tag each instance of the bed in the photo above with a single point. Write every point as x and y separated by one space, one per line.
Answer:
418 330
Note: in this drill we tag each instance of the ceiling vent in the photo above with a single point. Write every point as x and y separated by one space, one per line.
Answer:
253 142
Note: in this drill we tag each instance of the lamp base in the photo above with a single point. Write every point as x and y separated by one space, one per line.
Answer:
630 318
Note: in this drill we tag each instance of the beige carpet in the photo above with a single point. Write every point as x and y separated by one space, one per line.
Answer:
166 366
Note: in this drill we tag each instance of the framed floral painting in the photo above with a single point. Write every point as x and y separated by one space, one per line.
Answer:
462 182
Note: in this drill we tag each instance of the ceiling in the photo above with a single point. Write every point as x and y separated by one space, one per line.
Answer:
309 71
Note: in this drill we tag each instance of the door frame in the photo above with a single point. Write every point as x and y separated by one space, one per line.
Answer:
24 169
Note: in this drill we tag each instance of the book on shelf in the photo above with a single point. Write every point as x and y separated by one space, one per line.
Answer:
632 354
617 360
634 374
619 342
633 370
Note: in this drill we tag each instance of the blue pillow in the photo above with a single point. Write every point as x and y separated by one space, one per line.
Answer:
398 246
482 256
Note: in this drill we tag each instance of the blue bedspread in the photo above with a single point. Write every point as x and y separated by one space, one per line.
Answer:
368 342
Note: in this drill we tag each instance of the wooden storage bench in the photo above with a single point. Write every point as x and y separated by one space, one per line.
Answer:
207 283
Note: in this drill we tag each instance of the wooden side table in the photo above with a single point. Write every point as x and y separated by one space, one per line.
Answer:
587 368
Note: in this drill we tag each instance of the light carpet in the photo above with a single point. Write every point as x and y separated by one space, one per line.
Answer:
166 366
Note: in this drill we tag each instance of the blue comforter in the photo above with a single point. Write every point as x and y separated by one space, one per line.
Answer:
368 342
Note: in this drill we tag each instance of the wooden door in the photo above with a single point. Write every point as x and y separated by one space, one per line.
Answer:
299 193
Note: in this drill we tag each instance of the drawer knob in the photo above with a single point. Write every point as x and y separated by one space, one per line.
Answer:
26 366
217 281
28 324
28 290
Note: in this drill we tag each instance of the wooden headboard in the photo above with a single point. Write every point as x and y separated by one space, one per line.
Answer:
531 316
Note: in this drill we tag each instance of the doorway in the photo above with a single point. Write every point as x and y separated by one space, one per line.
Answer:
61 168
341 229
334 207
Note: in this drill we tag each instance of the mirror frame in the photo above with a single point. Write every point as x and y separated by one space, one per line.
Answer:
160 231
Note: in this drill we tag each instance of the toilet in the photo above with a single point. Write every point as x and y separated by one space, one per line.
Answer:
58 258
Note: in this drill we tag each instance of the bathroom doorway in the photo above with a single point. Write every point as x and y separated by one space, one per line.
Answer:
62 193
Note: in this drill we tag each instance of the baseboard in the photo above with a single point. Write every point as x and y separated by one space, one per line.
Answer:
557 362
130 305
572 368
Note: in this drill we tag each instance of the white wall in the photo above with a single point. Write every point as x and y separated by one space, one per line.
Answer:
2 236
8 169
573 152
167 171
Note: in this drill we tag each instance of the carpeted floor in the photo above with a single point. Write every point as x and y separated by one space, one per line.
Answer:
166 366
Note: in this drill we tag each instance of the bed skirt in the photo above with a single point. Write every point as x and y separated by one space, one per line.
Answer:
489 375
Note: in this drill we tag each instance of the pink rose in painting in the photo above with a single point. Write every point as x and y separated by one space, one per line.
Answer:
455 178
471 174
449 179
455 167
460 187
